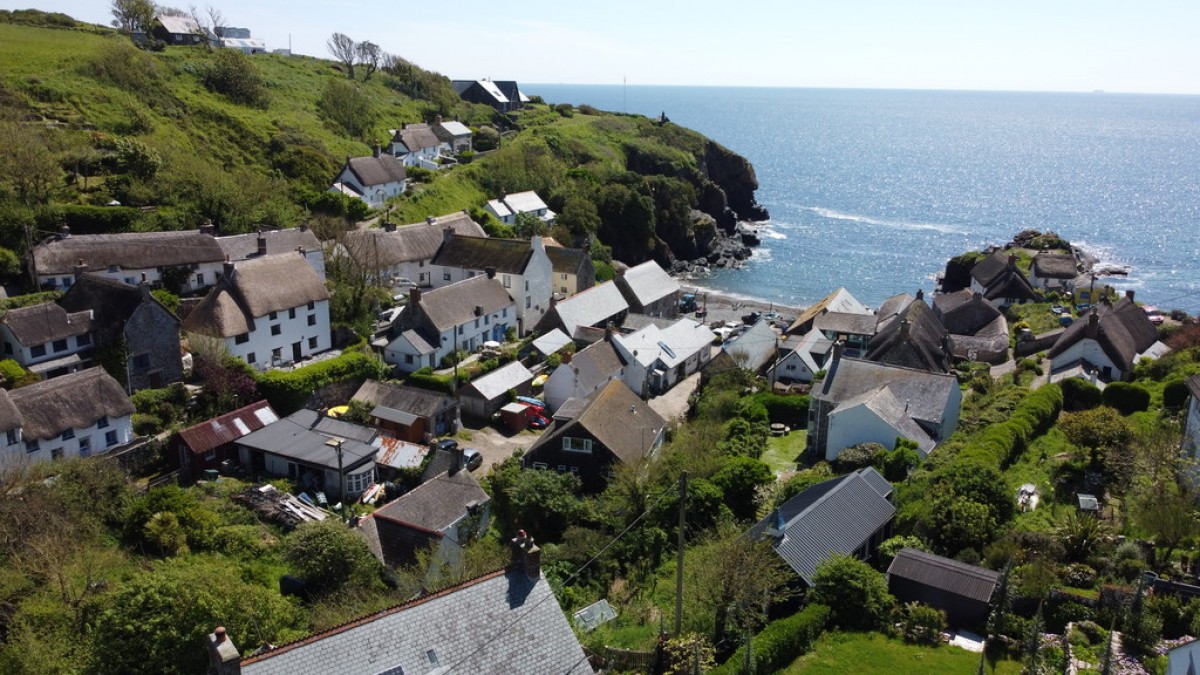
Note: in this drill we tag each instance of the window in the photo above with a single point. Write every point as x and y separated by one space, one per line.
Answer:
312 319
200 279
102 423
421 264
250 357
85 446
312 305
526 286
460 330
487 318
8 347
358 482
141 361
507 281
476 323
110 439
528 302
241 339
577 444
312 343
68 434
37 351
446 275
563 276
60 345
408 359
83 340
292 313
113 269
277 354
273 315
13 437
275 329
540 466
32 446
56 453
504 312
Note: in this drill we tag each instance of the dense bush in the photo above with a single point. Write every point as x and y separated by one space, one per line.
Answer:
789 410
84 219
922 624
234 75
1080 394
288 390
168 404
859 457
780 642
1126 397
1175 394
330 557
425 379
857 594
1000 444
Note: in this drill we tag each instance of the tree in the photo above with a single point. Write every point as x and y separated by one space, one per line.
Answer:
344 50
580 217
28 166
329 557
543 503
486 138
1100 431
369 55
132 16
234 75
1079 533
528 225
740 480
856 594
347 108
737 579
1169 513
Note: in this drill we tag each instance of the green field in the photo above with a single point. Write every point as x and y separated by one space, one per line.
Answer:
866 653
783 452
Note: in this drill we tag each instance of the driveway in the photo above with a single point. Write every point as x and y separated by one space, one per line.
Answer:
673 405
494 445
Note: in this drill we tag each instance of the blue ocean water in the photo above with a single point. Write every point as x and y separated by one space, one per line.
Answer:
874 189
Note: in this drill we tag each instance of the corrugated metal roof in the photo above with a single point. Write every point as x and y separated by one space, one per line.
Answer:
392 415
551 342
228 427
399 454
837 516
935 571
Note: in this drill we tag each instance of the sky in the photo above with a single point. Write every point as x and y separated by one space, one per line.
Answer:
1015 45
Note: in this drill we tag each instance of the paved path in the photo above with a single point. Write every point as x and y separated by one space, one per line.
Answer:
673 405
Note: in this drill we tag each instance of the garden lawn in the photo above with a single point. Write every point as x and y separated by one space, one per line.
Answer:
783 452
866 653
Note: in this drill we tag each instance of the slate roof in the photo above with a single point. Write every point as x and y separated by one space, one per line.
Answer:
72 401
926 393
836 516
243 246
180 25
420 402
227 428
455 128
110 301
1055 266
511 91
488 86
437 503
886 406
499 381
913 338
592 307
456 304
255 289
371 171
959 578
409 243
45 322
297 437
594 364
670 346
1193 385
130 251
499 623
525 202
551 342
1123 331
837 301
618 419
845 322
508 256
755 348
646 283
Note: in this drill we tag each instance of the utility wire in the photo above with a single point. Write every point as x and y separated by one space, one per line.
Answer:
570 578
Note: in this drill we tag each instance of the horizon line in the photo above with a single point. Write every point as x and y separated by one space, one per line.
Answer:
857 88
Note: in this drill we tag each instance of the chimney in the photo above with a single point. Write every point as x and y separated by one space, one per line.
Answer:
447 234
375 151
503 194
536 243
490 271
64 232
1129 294
223 656
920 294
389 226
608 332
526 556
437 120
478 310
839 347
1012 261
430 219
227 268
1093 326
977 296
304 226
414 296
262 243
144 287
348 158
208 228
904 326
566 358
80 269
458 463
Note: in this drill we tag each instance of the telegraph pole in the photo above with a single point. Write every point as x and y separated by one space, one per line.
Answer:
683 480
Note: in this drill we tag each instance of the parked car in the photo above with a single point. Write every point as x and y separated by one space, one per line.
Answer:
1154 314
447 444
473 458
538 422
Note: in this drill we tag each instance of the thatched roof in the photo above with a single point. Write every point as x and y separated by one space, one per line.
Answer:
253 290
409 243
45 322
130 251
73 401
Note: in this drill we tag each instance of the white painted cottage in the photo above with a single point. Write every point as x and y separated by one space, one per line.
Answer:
521 266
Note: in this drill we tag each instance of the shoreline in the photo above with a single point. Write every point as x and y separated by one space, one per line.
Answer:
724 306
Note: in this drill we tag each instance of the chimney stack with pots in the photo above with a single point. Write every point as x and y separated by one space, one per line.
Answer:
414 296
223 656
80 269
1093 327
526 556
262 243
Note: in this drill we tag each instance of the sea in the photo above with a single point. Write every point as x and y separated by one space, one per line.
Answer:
874 190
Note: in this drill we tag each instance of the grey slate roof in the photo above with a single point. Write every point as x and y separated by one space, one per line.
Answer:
73 401
302 436
551 342
1193 385
409 243
646 283
380 170
1123 331
419 402
756 348
836 516
913 338
437 503
500 623
592 307
499 381
926 393
959 578
45 322
617 418
131 251
111 303
594 364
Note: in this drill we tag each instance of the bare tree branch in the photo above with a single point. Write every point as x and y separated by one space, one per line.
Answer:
370 56
344 50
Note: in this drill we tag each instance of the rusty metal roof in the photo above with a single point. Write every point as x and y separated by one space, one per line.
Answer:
228 427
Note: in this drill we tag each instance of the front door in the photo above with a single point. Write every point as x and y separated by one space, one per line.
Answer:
296 354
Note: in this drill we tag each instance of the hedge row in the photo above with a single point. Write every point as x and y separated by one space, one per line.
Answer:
999 444
287 391
780 643
789 410
1126 397
425 379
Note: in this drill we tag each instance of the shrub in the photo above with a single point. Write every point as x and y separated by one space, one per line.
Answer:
234 75
1126 397
11 371
921 624
146 425
1080 394
859 456
425 379
780 642
857 594
1175 394
287 391
789 410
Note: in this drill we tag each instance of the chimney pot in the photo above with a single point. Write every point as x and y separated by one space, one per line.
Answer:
447 234
526 556
228 268
208 228
389 226
80 269
376 151
490 271
904 329
430 219
1093 324
920 294
262 243
64 231
1129 294
838 348
414 295
220 633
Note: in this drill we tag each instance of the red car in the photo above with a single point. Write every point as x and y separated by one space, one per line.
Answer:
538 421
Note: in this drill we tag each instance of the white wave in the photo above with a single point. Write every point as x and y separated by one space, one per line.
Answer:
894 224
